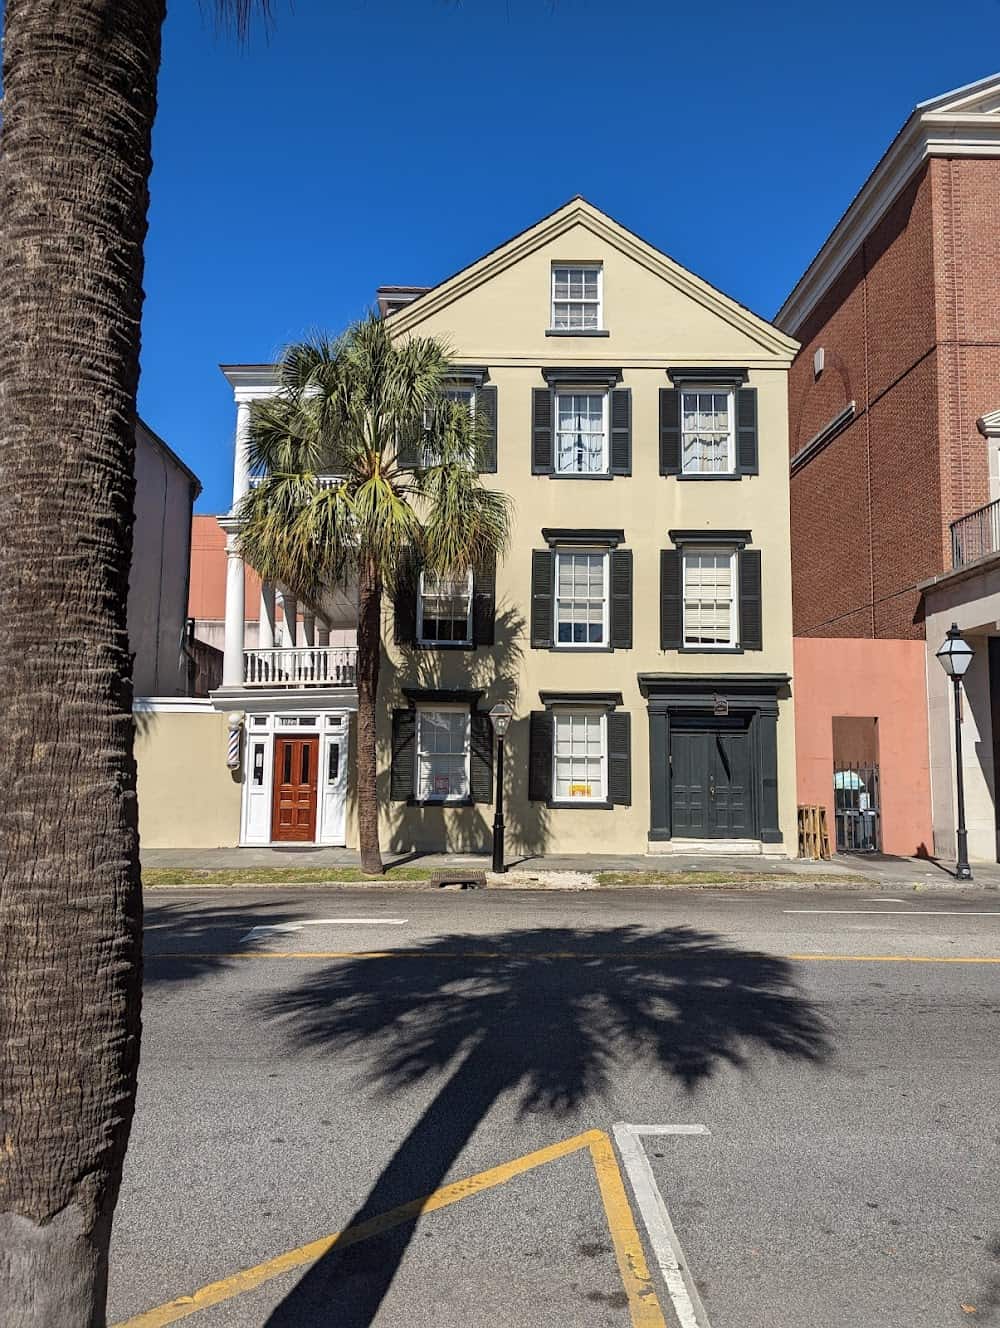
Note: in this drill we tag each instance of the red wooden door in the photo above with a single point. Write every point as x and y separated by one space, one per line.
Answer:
296 762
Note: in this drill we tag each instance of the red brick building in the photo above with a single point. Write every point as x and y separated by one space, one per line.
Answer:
893 401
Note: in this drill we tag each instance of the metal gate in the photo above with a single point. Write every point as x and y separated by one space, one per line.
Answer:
857 805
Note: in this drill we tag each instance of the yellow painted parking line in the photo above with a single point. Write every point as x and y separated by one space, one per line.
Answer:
892 959
643 1304
673 955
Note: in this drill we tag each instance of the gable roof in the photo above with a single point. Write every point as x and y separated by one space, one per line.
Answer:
579 212
964 122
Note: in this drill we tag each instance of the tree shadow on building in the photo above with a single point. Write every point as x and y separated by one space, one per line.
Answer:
495 672
551 1016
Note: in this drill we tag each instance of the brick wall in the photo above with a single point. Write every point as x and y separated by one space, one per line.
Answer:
909 331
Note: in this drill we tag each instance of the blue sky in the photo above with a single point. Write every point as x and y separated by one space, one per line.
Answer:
364 142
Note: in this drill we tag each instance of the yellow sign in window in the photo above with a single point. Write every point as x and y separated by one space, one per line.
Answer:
580 791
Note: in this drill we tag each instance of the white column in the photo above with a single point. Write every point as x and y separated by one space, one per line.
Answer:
322 632
241 459
290 608
266 632
308 628
232 656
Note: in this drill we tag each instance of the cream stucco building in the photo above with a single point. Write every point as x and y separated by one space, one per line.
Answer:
640 627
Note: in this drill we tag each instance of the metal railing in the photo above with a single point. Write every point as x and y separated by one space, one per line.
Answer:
322 481
975 535
301 666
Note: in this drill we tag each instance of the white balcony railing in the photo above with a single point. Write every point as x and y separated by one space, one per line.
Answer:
301 666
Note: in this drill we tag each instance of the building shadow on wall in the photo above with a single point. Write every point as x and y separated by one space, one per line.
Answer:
495 672
551 1018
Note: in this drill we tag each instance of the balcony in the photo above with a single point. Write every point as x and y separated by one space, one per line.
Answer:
301 666
975 535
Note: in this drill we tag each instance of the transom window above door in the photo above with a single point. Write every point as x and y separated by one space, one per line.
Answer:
444 609
581 433
707 432
581 598
577 297
709 597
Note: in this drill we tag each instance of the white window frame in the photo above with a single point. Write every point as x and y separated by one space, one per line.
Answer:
694 550
576 267
453 390
437 708
721 389
566 551
433 641
567 390
601 795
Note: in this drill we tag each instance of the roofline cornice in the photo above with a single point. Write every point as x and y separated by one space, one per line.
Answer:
250 381
927 133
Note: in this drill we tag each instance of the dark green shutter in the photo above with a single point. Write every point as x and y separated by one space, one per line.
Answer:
484 604
670 431
621 599
620 758
746 431
405 600
751 614
540 742
541 431
486 415
543 576
481 757
621 431
404 745
671 600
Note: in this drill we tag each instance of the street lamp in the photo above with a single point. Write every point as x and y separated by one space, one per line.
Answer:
956 656
501 715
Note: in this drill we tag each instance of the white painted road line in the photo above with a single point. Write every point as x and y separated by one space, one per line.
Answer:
659 1228
280 928
904 912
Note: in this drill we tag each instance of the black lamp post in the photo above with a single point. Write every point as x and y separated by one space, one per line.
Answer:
956 656
501 715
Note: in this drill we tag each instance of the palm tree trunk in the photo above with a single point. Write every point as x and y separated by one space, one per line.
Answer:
79 100
369 658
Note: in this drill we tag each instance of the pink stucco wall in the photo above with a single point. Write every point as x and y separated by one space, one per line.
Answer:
885 678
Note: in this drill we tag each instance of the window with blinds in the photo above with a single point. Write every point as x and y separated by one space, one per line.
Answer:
709 597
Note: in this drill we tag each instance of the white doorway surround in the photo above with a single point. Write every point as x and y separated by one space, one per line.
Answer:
332 731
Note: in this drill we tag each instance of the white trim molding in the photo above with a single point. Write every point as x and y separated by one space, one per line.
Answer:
172 705
825 435
962 123
989 425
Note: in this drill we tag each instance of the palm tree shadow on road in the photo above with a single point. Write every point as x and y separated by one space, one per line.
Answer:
551 1015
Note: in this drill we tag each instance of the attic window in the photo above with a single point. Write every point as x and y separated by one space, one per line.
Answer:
577 297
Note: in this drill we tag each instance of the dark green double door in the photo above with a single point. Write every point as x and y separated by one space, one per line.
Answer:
710 781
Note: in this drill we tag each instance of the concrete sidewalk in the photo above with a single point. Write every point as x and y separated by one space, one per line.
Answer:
885 871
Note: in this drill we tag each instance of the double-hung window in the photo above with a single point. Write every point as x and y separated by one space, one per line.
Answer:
444 609
443 754
582 597
576 297
464 396
580 757
710 597
708 444
581 433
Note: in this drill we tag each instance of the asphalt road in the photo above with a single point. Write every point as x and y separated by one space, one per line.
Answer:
300 1081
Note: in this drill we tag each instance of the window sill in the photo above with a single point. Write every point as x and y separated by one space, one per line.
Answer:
722 475
579 805
710 650
581 650
577 332
439 802
569 475
444 645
